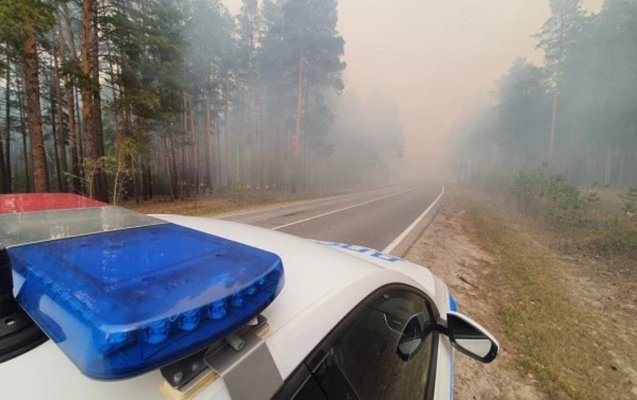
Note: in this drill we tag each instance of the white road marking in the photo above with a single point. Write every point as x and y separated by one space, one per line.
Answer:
342 209
403 235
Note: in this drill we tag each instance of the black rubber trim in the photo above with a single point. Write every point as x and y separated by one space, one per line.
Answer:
293 384
433 368
18 333
18 343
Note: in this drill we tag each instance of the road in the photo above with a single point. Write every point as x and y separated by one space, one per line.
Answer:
377 219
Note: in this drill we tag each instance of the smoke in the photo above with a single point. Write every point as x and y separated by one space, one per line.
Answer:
439 61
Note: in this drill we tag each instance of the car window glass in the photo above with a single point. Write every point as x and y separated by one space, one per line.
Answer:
310 391
364 363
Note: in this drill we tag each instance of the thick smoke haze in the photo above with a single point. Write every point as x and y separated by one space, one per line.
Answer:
439 61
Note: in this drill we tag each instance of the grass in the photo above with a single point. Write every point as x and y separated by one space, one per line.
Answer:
209 205
556 337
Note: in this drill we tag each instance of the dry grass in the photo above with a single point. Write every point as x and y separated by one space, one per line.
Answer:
556 314
208 205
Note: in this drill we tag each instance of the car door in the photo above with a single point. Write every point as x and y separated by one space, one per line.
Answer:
360 358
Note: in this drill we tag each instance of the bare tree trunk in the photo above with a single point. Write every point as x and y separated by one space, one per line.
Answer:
297 126
194 147
553 126
95 70
7 99
167 164
226 134
80 129
3 168
23 131
174 171
73 142
185 162
216 152
54 132
34 118
207 145
61 142
5 186
90 113
75 126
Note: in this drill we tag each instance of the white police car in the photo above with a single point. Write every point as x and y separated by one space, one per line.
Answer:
145 307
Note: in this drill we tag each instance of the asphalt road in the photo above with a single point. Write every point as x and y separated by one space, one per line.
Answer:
372 218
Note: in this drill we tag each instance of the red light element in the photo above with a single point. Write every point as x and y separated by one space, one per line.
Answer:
28 202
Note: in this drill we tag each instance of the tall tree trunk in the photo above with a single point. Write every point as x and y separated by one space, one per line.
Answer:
95 70
175 171
208 146
5 186
90 145
3 168
89 111
196 173
23 131
167 164
75 161
75 127
54 132
553 126
61 142
80 129
101 186
34 118
7 99
185 161
226 136
297 127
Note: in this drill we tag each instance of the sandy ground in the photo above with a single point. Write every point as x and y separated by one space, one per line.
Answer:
450 248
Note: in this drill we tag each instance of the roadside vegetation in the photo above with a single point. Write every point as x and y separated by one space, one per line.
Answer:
224 202
566 319
560 340
596 221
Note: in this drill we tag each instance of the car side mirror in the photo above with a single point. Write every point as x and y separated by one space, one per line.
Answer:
412 337
470 338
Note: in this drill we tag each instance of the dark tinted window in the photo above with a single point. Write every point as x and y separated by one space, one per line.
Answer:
310 391
363 363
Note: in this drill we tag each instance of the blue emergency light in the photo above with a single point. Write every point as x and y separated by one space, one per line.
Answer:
124 302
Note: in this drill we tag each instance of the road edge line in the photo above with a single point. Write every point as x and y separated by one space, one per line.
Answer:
397 241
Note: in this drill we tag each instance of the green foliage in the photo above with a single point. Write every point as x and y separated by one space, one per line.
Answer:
195 99
555 201
630 201
302 32
576 213
616 239
584 97
15 14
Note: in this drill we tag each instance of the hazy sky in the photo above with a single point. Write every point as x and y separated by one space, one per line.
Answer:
438 59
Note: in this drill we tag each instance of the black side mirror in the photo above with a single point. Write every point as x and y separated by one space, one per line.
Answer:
470 338
412 337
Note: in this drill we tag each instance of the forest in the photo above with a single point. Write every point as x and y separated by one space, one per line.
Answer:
575 116
133 99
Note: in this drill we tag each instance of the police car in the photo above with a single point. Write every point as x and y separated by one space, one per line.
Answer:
99 302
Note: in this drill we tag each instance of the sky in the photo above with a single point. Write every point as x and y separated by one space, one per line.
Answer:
439 60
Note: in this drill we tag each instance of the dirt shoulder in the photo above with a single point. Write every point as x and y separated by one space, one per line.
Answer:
566 324
214 205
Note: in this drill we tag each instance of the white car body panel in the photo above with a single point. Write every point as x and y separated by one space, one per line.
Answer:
321 287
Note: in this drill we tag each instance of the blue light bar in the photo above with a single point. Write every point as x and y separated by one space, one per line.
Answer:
125 302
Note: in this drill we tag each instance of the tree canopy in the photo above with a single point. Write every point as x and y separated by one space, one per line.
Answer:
145 97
